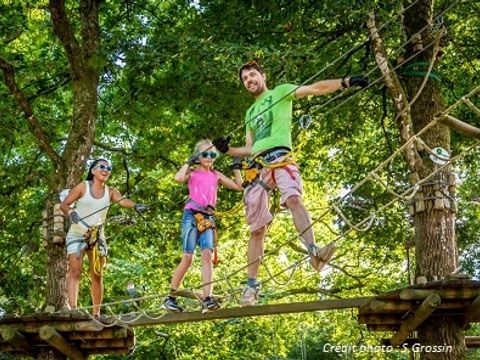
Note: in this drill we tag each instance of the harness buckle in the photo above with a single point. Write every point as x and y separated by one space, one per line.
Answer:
203 223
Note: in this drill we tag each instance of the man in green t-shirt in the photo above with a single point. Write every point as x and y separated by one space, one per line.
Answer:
268 139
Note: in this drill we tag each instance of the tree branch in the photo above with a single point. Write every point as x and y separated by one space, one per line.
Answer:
22 101
124 152
64 32
404 122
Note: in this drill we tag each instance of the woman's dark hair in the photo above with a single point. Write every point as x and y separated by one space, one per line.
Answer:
92 165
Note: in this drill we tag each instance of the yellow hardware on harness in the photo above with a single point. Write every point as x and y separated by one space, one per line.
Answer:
202 223
288 160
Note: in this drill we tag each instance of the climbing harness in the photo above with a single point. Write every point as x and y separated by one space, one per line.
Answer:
253 167
93 239
204 219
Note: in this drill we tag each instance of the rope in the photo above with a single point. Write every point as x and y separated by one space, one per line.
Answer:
366 220
385 162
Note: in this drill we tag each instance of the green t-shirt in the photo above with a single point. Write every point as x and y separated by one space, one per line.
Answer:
269 119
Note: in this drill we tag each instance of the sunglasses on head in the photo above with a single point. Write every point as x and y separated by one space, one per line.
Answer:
208 154
103 167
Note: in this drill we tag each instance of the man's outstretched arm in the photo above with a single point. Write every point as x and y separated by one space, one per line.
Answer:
324 87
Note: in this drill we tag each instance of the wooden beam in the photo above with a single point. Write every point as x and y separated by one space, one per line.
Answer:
471 106
259 310
111 343
452 293
16 339
108 351
471 342
380 306
57 341
431 303
471 313
461 126
383 327
108 333
195 295
63 326
380 319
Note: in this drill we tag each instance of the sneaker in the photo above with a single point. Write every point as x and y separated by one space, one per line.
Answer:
171 305
249 296
319 257
209 305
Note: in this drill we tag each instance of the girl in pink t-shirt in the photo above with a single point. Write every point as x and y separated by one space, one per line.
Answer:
198 223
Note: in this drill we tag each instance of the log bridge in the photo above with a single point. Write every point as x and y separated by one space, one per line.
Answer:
401 311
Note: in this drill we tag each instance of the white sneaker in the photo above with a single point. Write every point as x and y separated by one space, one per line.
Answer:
249 296
321 256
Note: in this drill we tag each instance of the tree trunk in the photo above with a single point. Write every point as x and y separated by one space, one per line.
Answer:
435 246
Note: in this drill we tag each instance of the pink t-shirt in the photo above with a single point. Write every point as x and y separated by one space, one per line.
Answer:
202 188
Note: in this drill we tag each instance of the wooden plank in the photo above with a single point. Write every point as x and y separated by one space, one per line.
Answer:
379 306
107 351
403 306
111 343
383 327
377 319
108 333
16 339
429 305
454 293
259 310
63 326
472 312
471 342
195 295
57 341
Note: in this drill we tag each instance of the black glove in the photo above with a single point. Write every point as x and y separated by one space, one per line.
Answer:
73 215
140 208
221 143
192 160
236 163
356 80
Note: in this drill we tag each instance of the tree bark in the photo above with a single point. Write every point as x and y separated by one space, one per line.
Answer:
435 245
69 166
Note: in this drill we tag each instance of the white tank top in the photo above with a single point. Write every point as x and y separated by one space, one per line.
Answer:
92 211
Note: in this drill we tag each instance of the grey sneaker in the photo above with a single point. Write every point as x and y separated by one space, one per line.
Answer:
319 257
249 296
171 305
209 305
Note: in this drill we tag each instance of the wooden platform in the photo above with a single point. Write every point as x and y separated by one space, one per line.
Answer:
404 310
401 311
73 334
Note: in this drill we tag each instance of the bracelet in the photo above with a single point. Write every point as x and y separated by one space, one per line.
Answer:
344 84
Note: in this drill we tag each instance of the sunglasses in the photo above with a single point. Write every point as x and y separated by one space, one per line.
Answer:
103 167
208 154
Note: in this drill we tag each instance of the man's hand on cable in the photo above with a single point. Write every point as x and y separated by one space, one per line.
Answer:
221 143
73 215
356 80
141 208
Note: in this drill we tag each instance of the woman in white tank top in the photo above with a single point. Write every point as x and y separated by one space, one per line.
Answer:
92 199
